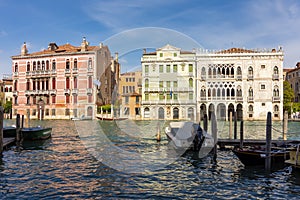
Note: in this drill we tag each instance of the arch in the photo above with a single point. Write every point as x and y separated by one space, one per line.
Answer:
28 67
90 111
33 66
161 113
250 108
90 63
250 70
239 71
275 71
211 109
276 108
47 65
38 65
175 113
43 65
202 111
239 112
221 111
209 72
146 112
53 65
250 92
230 109
16 67
191 113
75 63
203 73
67 64
232 72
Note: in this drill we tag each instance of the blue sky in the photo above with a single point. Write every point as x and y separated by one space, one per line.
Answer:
214 24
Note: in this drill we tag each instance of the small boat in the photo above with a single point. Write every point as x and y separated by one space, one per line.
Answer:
294 160
255 156
9 131
36 133
187 135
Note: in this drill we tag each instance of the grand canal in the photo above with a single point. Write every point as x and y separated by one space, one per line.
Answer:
63 168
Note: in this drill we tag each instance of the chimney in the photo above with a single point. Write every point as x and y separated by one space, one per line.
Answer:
52 46
24 50
144 51
101 45
298 64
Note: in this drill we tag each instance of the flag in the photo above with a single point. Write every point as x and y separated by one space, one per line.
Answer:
171 93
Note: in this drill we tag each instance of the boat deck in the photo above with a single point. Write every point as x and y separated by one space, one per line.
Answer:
8 141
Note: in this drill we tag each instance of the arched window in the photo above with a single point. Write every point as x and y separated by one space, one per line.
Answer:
239 71
75 63
38 65
250 71
67 64
53 83
276 92
47 65
16 85
275 70
68 83
250 108
16 67
209 72
53 65
34 66
250 92
90 63
276 108
90 82
146 83
190 82
43 65
232 92
75 82
28 67
146 112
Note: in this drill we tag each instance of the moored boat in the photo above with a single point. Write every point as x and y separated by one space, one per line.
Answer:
255 156
189 135
36 133
9 131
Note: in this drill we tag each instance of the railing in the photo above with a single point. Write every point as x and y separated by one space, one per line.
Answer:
250 99
67 71
275 76
239 99
15 93
89 90
52 92
250 77
276 99
239 77
75 70
67 91
75 91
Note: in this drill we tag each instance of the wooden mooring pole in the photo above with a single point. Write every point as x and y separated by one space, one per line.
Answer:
230 125
242 134
214 130
18 130
268 142
285 125
235 126
1 129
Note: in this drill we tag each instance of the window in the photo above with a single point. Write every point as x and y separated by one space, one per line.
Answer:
28 85
43 65
263 66
126 100
191 96
34 66
250 71
90 82
53 99
190 82
175 96
161 84
137 100
146 97
16 67
16 100
53 112
146 68
38 65
146 83
168 84
174 68
28 100
67 83
67 112
161 68
34 99
53 65
75 99
262 86
175 84
67 98
28 67
67 64
90 99
168 68
250 92
190 67
75 63
275 70
160 54
175 54
161 96
53 83
47 112
16 86
250 108
239 71
263 104
47 65
90 63
75 82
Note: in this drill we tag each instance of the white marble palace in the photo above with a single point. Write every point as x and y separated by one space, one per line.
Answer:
188 84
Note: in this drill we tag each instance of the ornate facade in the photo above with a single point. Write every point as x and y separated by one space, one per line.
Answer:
64 81
187 85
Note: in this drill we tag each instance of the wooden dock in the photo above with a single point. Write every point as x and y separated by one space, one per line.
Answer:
8 141
222 143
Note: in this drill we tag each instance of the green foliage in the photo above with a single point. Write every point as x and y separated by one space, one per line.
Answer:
288 96
104 108
7 106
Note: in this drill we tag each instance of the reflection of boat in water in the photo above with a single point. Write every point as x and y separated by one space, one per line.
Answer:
252 156
36 133
82 117
294 160
35 144
186 135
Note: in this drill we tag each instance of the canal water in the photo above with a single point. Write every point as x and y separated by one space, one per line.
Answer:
64 167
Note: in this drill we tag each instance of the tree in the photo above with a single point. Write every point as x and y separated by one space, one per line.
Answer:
7 106
288 96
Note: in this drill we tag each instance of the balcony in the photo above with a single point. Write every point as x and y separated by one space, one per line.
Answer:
75 70
89 91
276 99
239 99
275 77
250 99
203 78
43 92
67 91
16 73
203 99
75 91
90 70
52 92
250 77
15 93
239 77
67 71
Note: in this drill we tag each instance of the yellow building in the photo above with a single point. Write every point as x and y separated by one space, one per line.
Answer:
130 94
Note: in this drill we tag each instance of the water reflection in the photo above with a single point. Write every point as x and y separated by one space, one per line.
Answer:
63 168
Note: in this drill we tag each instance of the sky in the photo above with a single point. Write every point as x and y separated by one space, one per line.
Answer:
210 24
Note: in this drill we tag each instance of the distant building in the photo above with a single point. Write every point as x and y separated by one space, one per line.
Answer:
293 77
186 85
130 88
6 88
63 81
169 84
